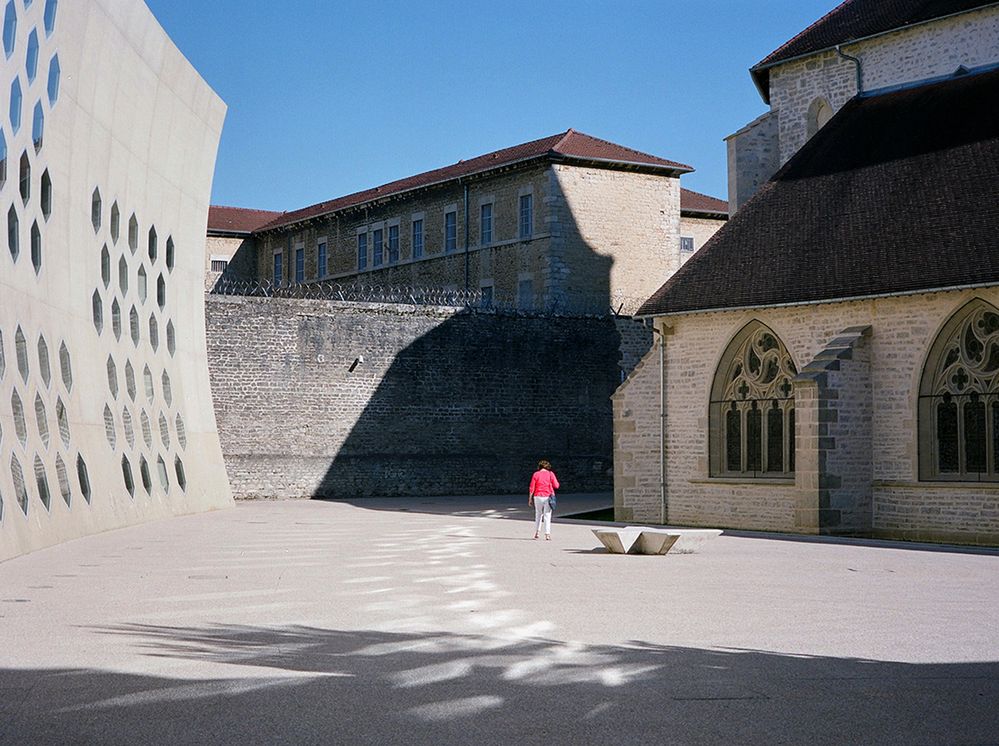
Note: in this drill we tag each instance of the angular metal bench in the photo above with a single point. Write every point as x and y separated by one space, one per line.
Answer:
641 540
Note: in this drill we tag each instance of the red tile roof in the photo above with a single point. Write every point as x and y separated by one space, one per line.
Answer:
691 201
857 19
898 193
565 146
237 219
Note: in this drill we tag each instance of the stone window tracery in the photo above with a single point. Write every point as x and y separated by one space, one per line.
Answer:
959 399
752 408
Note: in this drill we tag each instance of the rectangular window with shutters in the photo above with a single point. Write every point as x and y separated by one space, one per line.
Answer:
278 273
376 247
526 215
450 232
417 239
486 224
300 265
362 251
321 259
393 244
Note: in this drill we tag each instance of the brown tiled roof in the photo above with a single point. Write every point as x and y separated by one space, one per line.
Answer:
898 193
857 19
568 146
695 202
237 219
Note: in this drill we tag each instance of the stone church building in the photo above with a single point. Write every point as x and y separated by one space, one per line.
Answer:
829 361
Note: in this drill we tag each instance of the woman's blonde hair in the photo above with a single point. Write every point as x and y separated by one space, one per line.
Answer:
542 464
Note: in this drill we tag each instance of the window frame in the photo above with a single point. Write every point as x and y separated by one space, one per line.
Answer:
416 247
362 250
525 217
486 224
322 257
450 231
299 264
277 268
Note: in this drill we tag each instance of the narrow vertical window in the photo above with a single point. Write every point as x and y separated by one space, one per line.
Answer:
417 239
487 296
321 267
733 439
526 215
300 265
278 276
450 232
393 244
362 251
974 435
525 295
486 224
376 247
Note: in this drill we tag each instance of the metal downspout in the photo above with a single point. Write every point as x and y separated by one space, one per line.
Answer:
662 423
466 239
855 61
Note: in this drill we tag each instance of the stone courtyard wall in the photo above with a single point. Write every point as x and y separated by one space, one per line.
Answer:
884 369
320 398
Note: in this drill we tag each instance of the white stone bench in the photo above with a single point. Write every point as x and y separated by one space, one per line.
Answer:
641 540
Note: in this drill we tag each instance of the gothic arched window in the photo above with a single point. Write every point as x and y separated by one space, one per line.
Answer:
959 398
752 408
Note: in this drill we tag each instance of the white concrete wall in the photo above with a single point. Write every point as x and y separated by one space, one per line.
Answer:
134 120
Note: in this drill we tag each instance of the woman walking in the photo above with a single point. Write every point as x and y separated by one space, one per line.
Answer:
539 494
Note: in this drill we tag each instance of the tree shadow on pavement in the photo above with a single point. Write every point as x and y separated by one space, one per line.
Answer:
298 684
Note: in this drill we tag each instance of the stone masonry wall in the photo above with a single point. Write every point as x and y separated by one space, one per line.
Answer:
753 157
902 330
613 232
700 229
315 398
924 51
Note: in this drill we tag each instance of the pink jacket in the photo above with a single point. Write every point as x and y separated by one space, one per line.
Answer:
543 483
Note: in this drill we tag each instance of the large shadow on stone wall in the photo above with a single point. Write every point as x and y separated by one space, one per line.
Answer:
300 684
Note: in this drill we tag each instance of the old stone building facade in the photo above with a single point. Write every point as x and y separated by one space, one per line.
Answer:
829 362
230 246
856 48
568 221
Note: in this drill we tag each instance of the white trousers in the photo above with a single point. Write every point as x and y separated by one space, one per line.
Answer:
542 512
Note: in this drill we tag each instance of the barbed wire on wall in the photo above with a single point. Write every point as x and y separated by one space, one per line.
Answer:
475 300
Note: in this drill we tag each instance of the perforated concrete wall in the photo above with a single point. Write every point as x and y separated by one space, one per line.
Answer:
106 159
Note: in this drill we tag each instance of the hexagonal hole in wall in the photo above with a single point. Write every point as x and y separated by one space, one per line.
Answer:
51 6
46 195
55 75
178 466
167 388
141 284
9 28
3 158
42 420
21 351
3 357
130 380
116 319
105 265
147 379
164 431
65 367
161 292
112 377
147 481
126 425
20 488
126 475
17 412
44 368
109 429
115 222
147 430
98 311
96 209
133 325
62 419
63 478
24 184
133 233
42 483
16 99
83 477
151 245
13 233
154 333
36 247
123 275
181 432
161 470
38 126
171 338
31 56
170 253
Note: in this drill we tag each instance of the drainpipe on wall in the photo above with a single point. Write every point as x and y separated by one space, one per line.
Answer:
855 61
466 238
662 421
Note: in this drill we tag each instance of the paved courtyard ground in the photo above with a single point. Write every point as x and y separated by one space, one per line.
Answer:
429 622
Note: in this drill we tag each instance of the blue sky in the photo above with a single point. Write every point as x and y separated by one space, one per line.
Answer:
326 98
